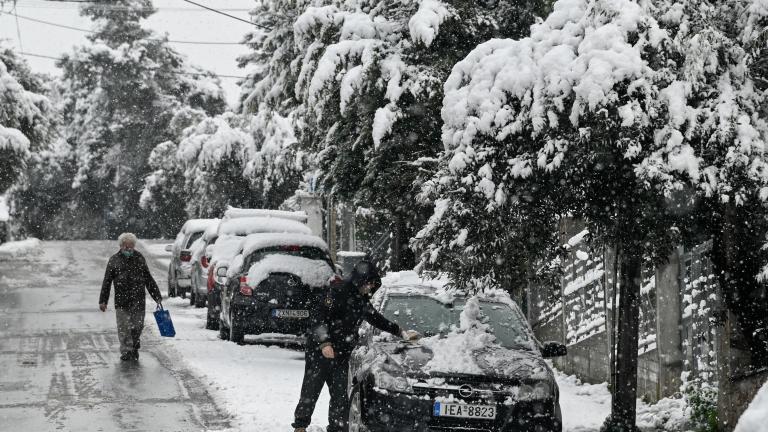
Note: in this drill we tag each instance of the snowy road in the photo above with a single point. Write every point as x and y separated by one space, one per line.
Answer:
59 366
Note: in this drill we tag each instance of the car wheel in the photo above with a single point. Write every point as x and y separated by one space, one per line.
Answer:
171 284
182 294
236 334
223 331
192 298
356 413
211 323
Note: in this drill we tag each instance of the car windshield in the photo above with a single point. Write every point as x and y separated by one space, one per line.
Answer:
308 252
429 317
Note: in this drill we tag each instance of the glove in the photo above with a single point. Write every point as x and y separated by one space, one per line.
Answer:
411 335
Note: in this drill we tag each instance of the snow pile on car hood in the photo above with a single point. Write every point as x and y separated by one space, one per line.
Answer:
16 249
455 352
315 273
756 415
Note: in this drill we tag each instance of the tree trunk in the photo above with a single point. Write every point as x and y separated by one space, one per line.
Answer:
624 400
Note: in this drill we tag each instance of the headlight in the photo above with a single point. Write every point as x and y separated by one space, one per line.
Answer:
535 391
385 381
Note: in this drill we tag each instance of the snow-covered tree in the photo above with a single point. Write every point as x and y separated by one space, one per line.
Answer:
120 93
240 160
364 79
26 116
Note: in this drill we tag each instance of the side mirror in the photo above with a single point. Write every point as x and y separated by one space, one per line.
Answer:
339 270
169 248
221 272
553 349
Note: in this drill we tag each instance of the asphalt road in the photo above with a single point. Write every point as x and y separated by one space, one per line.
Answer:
59 360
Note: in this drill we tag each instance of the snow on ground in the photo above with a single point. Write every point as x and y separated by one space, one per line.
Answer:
586 406
756 415
17 249
257 384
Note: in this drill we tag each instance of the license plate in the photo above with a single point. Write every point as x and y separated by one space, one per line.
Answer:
290 313
484 412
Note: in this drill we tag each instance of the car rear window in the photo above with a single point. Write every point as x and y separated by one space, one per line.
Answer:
192 238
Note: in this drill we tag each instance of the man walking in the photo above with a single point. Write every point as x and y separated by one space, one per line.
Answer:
333 334
128 270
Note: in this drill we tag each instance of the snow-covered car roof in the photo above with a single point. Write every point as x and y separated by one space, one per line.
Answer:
226 248
234 213
253 225
197 225
260 241
315 273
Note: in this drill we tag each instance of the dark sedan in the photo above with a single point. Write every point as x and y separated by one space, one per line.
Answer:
478 368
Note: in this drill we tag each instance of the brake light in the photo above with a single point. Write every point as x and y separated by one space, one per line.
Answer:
211 272
185 256
244 288
292 248
204 261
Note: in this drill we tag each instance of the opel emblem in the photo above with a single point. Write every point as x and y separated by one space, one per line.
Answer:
466 391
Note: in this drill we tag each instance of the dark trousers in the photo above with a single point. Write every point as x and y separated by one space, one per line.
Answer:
319 371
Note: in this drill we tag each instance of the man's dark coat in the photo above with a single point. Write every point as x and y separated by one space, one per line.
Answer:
131 277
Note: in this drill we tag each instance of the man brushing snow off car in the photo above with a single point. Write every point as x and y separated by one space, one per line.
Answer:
333 334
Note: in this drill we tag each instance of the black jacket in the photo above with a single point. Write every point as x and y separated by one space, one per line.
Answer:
131 277
337 317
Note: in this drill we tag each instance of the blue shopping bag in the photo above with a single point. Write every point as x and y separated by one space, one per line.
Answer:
164 323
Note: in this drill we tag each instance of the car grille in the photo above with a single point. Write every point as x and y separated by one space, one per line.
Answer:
469 392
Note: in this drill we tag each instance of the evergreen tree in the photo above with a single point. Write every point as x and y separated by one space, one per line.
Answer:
364 79
120 93
26 116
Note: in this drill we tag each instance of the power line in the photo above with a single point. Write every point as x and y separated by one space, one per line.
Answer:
226 14
93 32
18 28
66 4
173 72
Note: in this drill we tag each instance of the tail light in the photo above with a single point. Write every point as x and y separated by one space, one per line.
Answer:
211 282
204 261
185 256
244 288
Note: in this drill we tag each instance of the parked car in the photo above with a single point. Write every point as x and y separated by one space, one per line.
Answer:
478 368
271 284
230 234
201 249
180 268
